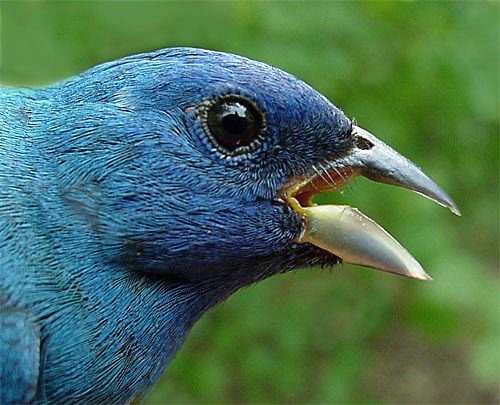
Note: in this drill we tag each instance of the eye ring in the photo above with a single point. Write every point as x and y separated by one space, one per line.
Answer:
234 124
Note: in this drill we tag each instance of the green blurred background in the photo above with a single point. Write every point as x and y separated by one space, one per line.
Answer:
422 76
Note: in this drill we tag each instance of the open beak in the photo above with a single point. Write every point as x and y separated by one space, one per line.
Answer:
346 232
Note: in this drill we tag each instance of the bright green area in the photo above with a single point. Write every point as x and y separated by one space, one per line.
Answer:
422 76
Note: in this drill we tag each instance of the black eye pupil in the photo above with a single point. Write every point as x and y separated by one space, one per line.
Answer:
234 124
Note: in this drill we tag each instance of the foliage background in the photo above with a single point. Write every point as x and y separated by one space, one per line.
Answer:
424 77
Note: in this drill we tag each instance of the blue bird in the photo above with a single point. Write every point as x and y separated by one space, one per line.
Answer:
139 194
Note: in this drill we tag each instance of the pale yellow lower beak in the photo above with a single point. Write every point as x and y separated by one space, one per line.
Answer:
352 236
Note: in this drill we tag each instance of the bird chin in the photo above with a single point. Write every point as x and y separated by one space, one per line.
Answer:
344 231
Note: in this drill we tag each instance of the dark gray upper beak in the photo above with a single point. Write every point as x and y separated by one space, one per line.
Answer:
379 162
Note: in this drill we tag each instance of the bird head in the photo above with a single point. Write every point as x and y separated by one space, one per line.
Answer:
205 164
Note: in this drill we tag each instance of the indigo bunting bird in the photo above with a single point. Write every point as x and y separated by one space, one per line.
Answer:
142 192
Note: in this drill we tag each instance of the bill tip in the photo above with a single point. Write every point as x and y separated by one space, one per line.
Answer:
420 275
456 210
451 205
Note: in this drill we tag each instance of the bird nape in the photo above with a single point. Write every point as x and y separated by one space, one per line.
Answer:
137 195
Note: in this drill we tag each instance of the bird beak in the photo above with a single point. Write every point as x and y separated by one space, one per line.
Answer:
346 232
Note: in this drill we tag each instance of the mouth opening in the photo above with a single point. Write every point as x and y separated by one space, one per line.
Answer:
342 230
300 191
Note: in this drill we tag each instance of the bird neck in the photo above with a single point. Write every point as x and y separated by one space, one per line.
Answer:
20 120
15 112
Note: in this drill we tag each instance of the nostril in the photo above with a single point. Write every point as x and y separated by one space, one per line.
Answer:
362 143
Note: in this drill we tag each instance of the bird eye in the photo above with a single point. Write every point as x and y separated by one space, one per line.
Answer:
234 125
